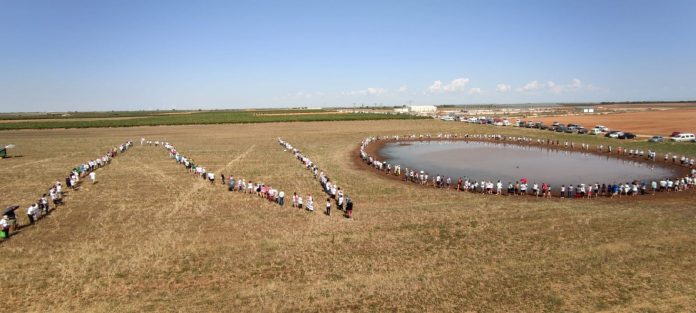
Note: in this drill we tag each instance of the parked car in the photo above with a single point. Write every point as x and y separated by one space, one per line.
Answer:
656 139
613 134
595 131
683 137
571 130
627 136
602 128
582 131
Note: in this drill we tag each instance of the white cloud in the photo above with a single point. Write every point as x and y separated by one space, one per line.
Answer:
456 85
307 95
375 91
402 89
475 91
503 88
372 91
530 86
436 86
551 86
574 85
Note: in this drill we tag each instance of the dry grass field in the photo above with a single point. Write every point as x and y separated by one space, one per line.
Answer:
151 237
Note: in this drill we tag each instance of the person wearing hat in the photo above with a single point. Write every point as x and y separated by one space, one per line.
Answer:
5 225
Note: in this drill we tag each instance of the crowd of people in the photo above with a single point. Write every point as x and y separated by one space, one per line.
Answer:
237 184
522 186
42 207
333 192
336 197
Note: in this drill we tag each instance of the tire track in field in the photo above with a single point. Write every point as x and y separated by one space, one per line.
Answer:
185 198
239 157
43 160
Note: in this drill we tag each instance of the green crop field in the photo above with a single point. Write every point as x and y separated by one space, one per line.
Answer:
125 119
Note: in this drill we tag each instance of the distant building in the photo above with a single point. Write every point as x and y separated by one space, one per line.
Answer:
422 109
587 109
401 110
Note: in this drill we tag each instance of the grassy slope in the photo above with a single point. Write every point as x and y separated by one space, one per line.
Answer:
173 242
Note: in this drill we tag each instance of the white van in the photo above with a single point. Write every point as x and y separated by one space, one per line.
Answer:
683 137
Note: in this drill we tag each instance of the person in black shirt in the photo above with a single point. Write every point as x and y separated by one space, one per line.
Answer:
349 207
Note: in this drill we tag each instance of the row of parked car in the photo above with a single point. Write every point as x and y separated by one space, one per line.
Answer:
579 129
575 129
675 136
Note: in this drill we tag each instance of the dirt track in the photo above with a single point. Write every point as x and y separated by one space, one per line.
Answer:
643 123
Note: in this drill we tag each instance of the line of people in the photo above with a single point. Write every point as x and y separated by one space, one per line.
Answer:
240 184
334 193
42 207
522 187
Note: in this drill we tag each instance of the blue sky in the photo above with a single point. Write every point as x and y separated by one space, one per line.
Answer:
125 55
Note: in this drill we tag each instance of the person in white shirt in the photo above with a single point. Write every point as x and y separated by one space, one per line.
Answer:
328 206
54 196
333 191
281 198
340 201
32 210
242 185
44 204
211 177
299 202
5 226
93 177
310 204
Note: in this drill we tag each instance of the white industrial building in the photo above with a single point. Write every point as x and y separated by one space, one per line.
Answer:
417 109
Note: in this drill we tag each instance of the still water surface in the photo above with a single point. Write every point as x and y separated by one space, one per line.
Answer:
511 162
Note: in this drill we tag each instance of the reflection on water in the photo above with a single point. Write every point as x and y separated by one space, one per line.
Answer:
511 162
